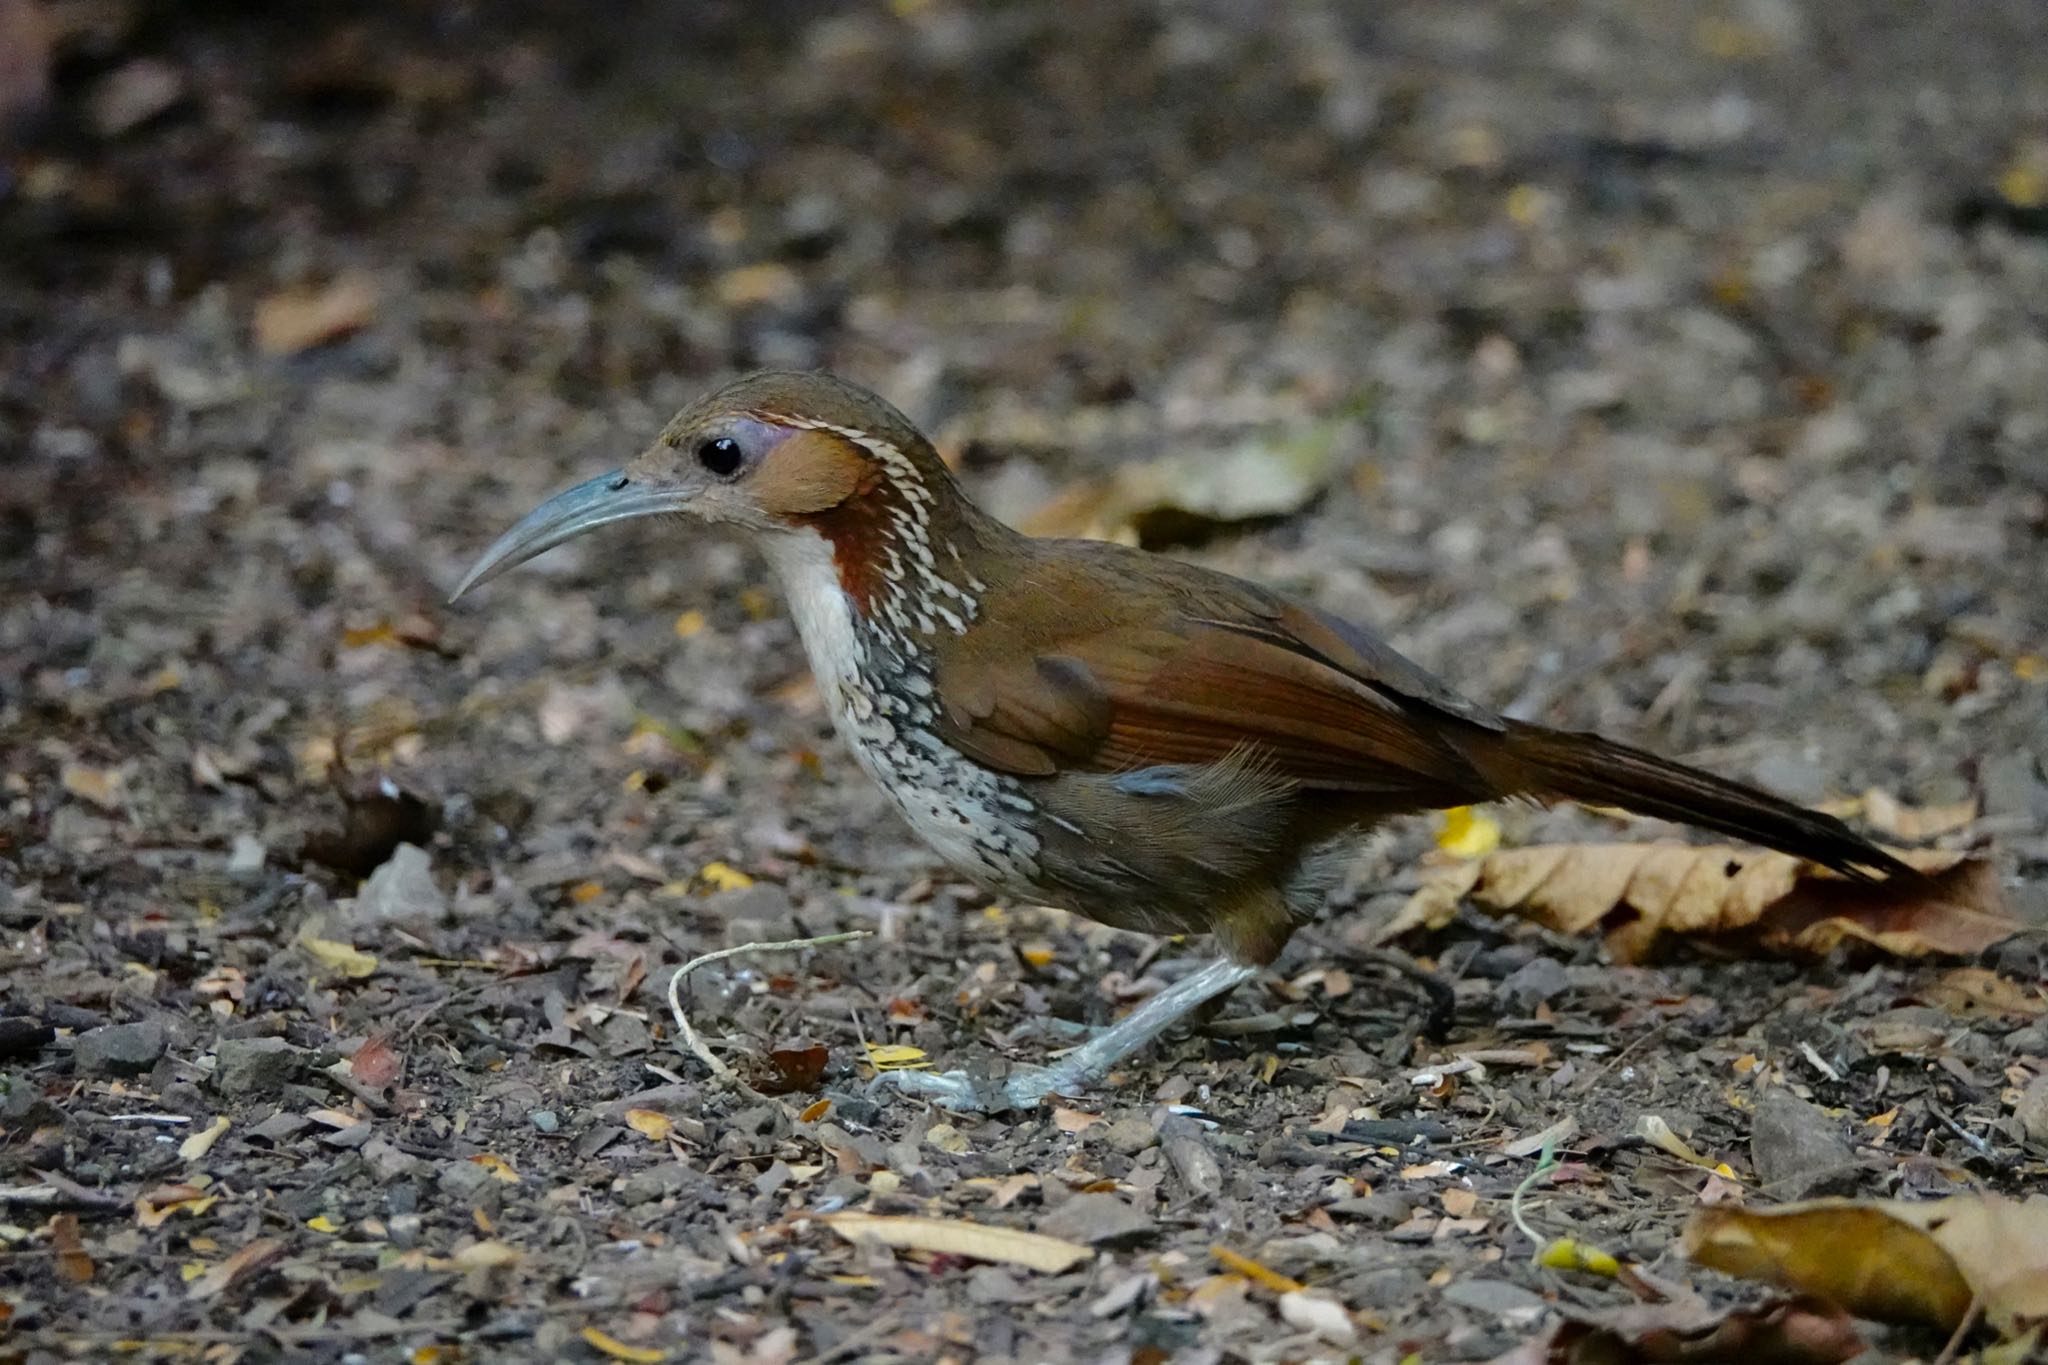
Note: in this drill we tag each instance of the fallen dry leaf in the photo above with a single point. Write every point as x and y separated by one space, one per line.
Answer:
787 1070
1974 992
1688 1331
897 1057
375 1064
651 1124
1739 897
104 787
299 319
201 1142
236 1268
497 1166
1895 819
1180 498
73 1265
339 957
958 1237
486 1255
1892 1260
606 1344
154 1207
1238 1264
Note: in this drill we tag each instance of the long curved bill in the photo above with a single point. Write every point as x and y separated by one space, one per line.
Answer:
589 505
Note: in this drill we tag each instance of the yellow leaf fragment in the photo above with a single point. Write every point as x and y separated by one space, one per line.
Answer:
201 1142
104 787
619 1350
1567 1254
724 877
689 623
322 1223
1468 832
896 1057
958 1237
154 1208
1654 1130
497 1166
486 1255
338 956
651 1124
1253 1271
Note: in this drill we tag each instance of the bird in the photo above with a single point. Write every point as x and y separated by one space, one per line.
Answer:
1153 744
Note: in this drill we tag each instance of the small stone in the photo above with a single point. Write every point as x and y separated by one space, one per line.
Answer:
1798 1150
1382 1208
1187 1151
253 1066
657 1182
546 1120
992 1286
120 1049
1094 1219
1534 982
1131 1134
22 1038
2011 791
133 95
1497 1298
2031 1113
246 861
2031 1041
401 891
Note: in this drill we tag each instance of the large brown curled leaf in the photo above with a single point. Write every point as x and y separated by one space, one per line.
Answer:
1892 1260
1745 898
1802 1331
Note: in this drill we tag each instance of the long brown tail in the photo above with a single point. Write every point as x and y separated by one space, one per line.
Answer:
1532 760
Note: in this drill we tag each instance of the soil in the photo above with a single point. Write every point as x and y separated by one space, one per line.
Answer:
1688 376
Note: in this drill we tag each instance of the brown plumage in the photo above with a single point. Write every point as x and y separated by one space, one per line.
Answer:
1150 743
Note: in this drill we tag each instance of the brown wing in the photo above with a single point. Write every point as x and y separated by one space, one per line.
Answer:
1190 677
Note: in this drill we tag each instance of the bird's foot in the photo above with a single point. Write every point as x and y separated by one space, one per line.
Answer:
963 1092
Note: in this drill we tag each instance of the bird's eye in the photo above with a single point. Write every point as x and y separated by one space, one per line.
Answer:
721 455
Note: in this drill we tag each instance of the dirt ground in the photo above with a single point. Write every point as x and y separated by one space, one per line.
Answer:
1687 366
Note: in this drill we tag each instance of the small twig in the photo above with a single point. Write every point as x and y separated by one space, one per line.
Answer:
1983 1147
675 987
1545 1164
59 1191
1962 1332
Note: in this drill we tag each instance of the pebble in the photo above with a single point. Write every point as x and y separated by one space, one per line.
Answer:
657 1182
1496 1297
1131 1134
401 891
253 1066
2031 1113
546 1120
120 1049
1798 1150
1093 1219
1534 982
1187 1151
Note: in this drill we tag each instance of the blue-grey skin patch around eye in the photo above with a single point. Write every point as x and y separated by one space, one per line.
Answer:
756 437
1163 780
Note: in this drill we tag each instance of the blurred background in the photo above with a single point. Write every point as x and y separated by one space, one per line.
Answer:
1679 369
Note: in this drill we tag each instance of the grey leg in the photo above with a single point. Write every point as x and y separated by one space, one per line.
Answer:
1025 1087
